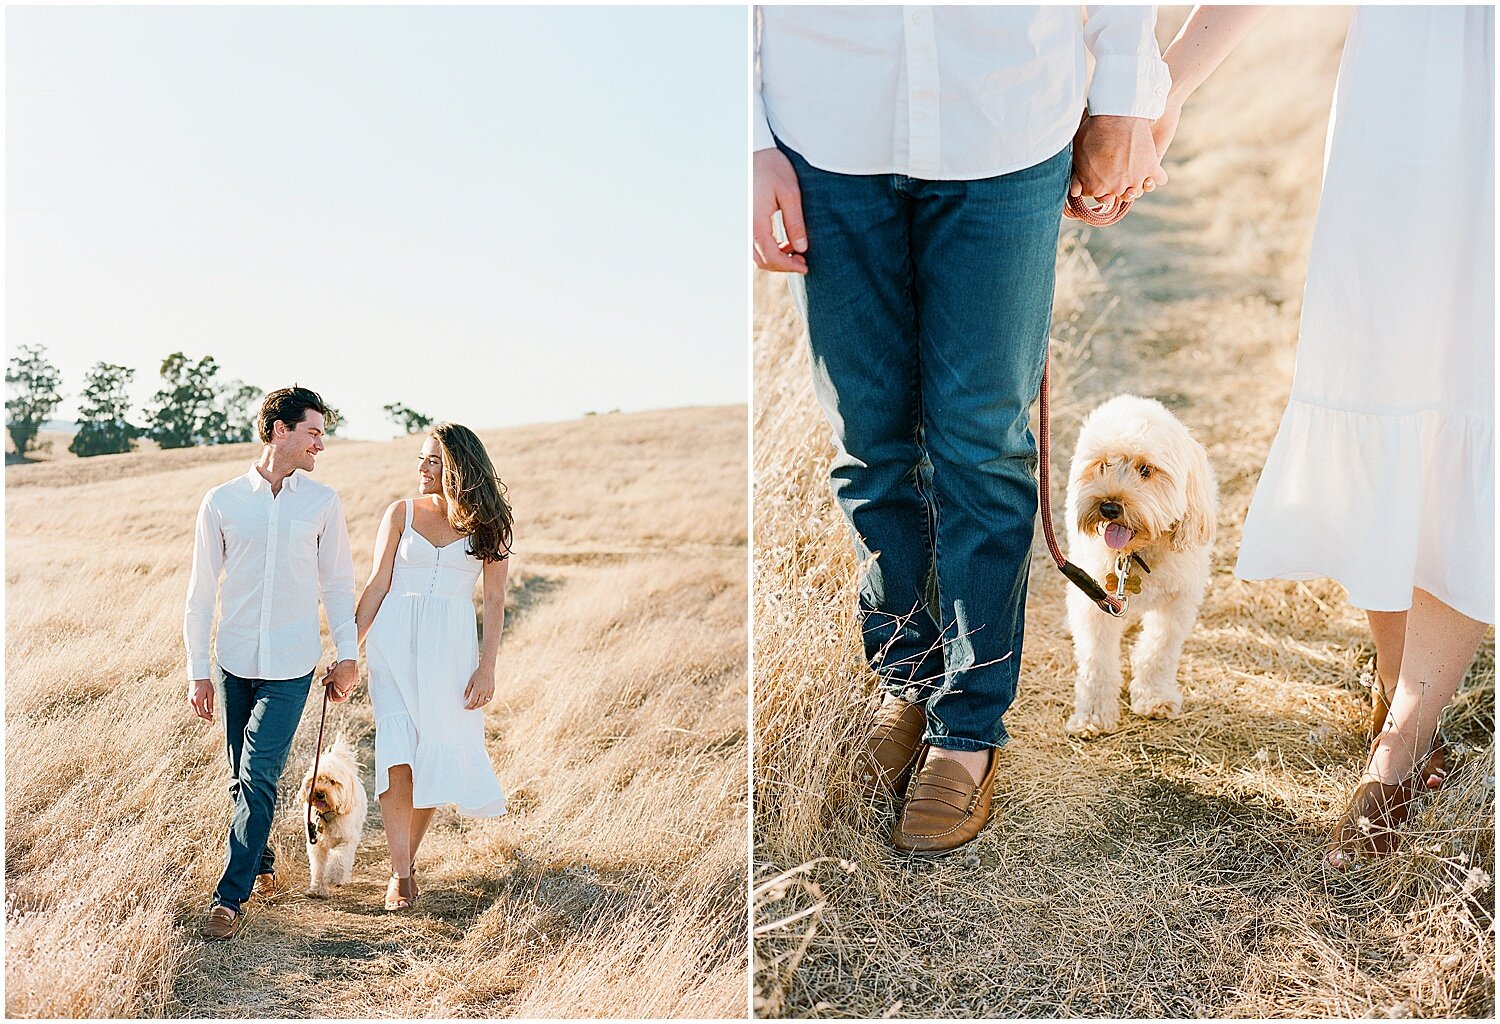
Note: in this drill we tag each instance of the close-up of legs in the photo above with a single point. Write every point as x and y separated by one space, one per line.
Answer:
1123 518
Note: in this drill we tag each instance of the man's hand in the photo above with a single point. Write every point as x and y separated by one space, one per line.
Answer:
480 689
776 188
201 698
341 679
1115 158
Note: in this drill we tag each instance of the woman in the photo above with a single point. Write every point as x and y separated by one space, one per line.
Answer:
1382 474
429 679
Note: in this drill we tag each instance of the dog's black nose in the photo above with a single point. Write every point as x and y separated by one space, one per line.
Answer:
1110 509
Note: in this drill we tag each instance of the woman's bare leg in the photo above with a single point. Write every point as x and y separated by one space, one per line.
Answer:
421 817
1388 629
396 813
1437 649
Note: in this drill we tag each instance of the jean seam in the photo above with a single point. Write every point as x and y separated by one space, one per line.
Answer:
937 574
929 508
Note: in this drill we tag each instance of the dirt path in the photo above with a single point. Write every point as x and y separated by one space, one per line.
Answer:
344 956
347 957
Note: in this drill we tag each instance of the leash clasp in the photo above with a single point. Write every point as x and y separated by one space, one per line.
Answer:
1122 584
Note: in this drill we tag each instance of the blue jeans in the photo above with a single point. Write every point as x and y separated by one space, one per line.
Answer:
260 719
928 306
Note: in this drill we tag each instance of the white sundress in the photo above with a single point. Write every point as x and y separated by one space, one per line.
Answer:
1382 475
422 648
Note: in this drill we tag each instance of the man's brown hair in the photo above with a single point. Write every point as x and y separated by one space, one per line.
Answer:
290 406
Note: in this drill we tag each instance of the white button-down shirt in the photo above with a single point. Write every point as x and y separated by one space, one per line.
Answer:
947 93
277 554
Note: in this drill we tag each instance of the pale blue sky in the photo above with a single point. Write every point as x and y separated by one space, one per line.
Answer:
494 215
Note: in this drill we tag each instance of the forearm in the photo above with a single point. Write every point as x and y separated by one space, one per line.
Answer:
494 618
336 582
1129 77
494 625
203 592
197 633
370 601
760 124
1209 35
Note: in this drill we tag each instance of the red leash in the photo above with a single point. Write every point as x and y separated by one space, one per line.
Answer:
1098 216
1086 583
312 830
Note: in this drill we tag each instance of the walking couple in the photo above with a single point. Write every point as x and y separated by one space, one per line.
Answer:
269 545
919 157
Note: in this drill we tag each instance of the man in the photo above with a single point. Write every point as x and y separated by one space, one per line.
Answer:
919 160
279 541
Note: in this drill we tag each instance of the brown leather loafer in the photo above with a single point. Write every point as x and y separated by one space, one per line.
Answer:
892 746
222 923
265 886
944 809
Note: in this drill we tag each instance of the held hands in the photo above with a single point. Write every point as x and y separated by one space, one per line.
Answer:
480 690
776 189
340 680
1115 158
201 698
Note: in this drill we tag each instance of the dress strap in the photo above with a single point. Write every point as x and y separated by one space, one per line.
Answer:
409 503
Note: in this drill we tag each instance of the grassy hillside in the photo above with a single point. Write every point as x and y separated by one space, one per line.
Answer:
615 885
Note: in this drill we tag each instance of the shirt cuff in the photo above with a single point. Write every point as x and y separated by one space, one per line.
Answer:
199 669
1129 87
348 650
763 139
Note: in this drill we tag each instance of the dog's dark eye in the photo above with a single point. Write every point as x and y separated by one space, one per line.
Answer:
1146 471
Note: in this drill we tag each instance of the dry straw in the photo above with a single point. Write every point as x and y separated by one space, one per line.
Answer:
614 887
1172 869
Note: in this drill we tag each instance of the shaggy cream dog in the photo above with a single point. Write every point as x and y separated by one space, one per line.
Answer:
339 805
1142 496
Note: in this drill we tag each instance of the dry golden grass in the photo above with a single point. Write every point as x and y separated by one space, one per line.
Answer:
1172 869
615 886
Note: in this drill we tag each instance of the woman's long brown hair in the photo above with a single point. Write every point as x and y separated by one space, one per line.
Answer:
476 495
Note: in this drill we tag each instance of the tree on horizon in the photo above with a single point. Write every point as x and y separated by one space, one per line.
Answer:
36 383
186 411
241 406
104 427
408 419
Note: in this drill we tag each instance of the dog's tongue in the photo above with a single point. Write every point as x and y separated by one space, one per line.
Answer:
1117 536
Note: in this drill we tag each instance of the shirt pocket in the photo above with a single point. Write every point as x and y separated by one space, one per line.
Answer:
302 540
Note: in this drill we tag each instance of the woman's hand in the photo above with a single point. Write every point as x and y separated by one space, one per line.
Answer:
480 689
1164 128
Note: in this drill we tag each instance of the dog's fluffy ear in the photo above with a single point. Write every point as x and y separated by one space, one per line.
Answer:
305 795
1196 529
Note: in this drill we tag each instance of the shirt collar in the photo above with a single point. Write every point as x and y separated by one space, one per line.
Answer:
257 481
